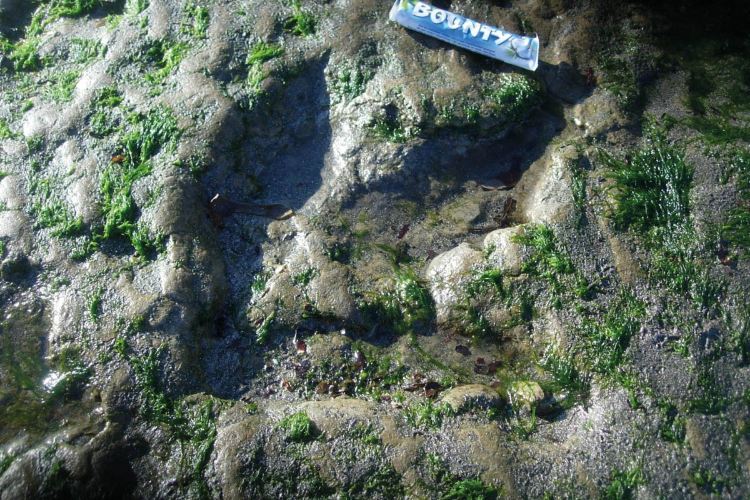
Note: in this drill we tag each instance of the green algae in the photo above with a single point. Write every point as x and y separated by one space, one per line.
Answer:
426 415
63 86
348 81
445 485
146 135
391 129
605 338
623 483
301 22
298 427
402 305
652 188
164 56
84 51
28 405
197 20
550 262
49 210
190 421
257 57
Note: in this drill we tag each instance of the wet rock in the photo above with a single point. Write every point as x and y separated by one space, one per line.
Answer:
403 450
17 269
695 435
598 115
467 397
377 138
445 275
233 443
332 347
503 252
484 442
549 199
333 417
525 393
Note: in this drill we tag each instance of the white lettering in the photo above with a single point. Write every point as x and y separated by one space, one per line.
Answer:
472 27
501 36
454 21
486 30
438 16
422 9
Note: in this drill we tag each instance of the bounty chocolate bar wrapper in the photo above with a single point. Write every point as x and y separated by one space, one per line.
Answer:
522 51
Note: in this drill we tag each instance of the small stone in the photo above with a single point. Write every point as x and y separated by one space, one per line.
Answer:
505 254
526 393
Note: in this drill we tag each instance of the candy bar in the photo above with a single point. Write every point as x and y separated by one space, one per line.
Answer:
522 51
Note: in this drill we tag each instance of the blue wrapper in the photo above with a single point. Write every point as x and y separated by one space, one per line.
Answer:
522 51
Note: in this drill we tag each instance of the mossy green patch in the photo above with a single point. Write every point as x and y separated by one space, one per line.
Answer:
349 81
197 20
105 118
366 434
485 289
71 8
391 127
445 485
566 376
146 135
672 423
135 7
652 200
513 96
736 229
427 415
263 52
55 215
303 278
190 421
258 55
49 210
298 427
623 483
605 339
710 398
403 304
164 56
707 480
473 489
95 304
737 340
84 51
6 461
301 22
25 54
5 131
63 85
622 55
652 188
550 262
32 404
263 331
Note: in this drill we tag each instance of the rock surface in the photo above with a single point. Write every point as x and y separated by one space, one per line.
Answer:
476 295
